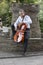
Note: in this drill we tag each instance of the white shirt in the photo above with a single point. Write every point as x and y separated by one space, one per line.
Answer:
26 20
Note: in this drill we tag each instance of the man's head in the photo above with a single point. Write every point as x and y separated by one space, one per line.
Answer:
21 12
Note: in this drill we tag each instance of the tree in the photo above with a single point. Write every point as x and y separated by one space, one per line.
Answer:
4 12
28 1
5 6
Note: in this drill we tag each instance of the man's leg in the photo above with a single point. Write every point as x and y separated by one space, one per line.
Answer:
27 35
13 30
25 45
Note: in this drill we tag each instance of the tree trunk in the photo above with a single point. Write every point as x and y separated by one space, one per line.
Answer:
31 10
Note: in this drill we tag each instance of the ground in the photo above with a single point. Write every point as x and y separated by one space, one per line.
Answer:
16 59
34 60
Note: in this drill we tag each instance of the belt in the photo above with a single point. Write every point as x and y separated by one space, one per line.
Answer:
27 28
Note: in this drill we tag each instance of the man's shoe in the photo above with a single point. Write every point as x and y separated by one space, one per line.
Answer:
24 54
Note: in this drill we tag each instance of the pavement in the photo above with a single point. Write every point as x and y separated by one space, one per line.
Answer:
4 55
31 58
34 60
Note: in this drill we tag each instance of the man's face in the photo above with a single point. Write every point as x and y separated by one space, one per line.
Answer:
22 14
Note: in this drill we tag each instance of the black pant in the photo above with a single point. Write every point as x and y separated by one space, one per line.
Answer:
13 30
27 35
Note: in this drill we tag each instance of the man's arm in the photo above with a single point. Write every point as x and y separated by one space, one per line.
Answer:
16 23
28 20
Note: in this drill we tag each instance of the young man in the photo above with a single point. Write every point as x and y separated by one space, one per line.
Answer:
23 19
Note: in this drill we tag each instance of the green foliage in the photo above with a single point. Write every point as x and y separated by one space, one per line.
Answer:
41 25
6 18
4 12
30 1
3 8
17 1
21 1
41 15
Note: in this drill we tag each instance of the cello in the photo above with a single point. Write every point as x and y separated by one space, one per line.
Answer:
19 35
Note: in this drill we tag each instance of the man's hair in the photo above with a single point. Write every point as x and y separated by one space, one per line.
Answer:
21 10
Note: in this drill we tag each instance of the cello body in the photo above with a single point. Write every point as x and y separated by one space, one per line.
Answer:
19 35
